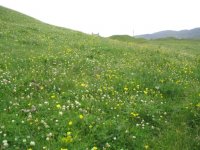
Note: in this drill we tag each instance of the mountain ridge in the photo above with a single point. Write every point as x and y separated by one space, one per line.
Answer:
181 34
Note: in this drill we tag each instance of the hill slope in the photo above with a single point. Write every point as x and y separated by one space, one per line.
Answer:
62 89
127 38
183 34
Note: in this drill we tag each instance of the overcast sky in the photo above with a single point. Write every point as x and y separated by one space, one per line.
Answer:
109 17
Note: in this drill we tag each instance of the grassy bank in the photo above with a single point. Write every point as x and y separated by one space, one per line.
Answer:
62 89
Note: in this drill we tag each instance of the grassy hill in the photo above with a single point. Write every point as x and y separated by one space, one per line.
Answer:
62 89
127 38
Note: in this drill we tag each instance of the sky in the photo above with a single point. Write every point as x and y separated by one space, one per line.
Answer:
112 17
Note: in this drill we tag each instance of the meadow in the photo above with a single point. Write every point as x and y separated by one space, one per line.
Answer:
65 90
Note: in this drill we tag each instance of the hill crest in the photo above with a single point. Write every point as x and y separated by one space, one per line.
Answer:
182 34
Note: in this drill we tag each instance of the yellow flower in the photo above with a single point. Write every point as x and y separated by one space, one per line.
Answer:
134 114
69 133
84 85
67 139
81 116
146 146
94 148
198 105
145 92
63 149
70 123
125 89
58 106
53 96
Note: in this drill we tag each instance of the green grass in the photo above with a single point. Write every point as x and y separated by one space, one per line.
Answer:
62 89
127 38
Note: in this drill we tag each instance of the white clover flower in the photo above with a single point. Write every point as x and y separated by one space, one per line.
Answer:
5 143
107 145
60 113
32 143
50 134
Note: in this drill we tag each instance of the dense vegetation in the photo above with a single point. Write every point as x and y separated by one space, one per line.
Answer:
62 89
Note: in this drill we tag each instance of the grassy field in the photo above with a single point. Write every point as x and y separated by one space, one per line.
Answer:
61 89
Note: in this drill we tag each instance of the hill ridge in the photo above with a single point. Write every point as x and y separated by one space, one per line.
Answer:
182 34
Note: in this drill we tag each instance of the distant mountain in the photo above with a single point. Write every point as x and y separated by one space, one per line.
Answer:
182 34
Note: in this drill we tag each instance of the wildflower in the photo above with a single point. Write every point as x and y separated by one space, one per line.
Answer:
81 116
107 145
32 143
198 105
125 89
146 146
5 143
67 139
134 114
70 123
63 149
60 113
53 96
94 148
84 85
58 106
69 133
